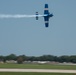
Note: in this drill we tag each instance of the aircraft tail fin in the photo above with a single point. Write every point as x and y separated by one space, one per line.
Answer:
37 16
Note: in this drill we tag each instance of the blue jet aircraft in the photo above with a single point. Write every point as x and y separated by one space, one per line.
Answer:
46 15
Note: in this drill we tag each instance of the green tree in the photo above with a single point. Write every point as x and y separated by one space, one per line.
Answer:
20 60
11 57
64 58
73 59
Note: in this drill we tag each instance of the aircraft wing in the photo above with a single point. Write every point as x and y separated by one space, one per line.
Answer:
46 19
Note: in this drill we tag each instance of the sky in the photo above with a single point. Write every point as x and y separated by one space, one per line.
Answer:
26 36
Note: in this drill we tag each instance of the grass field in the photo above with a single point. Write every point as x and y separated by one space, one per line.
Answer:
37 66
8 73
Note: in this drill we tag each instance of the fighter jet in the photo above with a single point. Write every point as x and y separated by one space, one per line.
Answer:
46 15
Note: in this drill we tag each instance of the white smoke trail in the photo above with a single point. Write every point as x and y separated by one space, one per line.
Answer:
19 16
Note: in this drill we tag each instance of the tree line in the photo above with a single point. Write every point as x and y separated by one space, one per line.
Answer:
21 58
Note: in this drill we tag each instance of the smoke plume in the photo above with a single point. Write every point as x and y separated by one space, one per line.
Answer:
18 16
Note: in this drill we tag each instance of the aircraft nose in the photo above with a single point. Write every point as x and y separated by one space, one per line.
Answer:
51 15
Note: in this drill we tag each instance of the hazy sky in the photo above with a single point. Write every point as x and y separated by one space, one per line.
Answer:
30 37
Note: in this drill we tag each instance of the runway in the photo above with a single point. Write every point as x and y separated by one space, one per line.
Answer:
38 70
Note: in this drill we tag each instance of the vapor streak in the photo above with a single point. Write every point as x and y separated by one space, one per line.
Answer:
19 16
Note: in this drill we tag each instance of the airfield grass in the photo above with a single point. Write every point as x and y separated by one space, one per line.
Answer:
16 73
38 66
